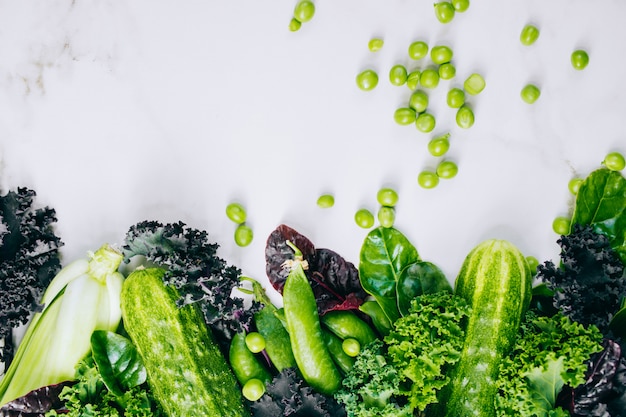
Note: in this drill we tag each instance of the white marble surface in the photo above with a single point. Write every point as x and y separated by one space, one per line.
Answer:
120 111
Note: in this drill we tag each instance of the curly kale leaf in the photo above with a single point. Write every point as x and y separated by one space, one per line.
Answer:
589 283
29 257
549 354
194 268
289 395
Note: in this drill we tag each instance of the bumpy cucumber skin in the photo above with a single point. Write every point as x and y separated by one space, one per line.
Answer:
495 280
187 372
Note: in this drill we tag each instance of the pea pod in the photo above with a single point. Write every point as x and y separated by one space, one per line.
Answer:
347 324
305 331
381 322
341 358
246 365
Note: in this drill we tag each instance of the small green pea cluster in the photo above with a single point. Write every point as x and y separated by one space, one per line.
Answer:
446 168
387 198
528 36
302 13
446 10
243 233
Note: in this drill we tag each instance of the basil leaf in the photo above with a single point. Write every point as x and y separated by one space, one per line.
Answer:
385 253
118 361
417 279
601 203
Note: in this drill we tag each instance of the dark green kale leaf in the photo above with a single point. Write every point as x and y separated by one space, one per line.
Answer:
29 259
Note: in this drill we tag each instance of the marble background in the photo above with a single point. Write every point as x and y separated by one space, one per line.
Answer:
120 111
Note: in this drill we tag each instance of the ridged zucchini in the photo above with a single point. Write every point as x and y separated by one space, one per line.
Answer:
495 280
188 374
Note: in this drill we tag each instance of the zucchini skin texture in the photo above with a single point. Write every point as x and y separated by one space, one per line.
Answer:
187 372
496 281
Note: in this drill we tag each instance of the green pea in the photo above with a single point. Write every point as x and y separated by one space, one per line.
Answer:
404 116
580 59
243 235
326 201
614 161
561 225
425 122
530 93
236 212
447 71
387 197
351 346
418 50
398 75
255 342
574 185
461 5
455 98
386 216
474 84
418 101
439 146
413 79
245 364
429 78
464 117
375 44
447 169
295 25
444 11
367 80
441 54
364 218
253 390
533 263
427 179
529 35
304 11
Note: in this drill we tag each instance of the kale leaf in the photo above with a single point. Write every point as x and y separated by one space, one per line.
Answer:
29 257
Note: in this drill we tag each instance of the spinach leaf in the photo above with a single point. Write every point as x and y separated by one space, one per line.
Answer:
118 361
601 203
385 253
417 279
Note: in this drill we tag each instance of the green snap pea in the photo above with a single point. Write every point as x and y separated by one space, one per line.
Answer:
335 347
305 331
346 324
245 364
377 315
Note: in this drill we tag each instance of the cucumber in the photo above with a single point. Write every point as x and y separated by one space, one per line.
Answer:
188 374
495 280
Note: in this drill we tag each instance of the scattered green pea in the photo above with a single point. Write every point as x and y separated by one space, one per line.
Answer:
580 59
367 80
375 44
530 93
255 342
533 263
447 71
444 11
439 145
427 179
253 389
418 50
387 197
398 75
447 169
404 116
455 98
574 185
351 347
561 225
364 218
464 117
413 79
425 122
386 216
326 201
418 101
304 11
474 84
243 235
295 25
236 213
461 5
529 35
441 54
429 78
614 161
